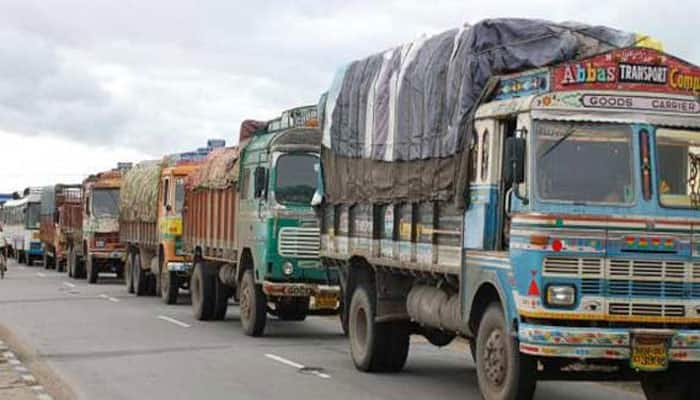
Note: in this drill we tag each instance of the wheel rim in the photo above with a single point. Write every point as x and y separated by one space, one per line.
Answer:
495 360
245 305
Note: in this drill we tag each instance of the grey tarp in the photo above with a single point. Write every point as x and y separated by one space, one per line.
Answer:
138 196
396 123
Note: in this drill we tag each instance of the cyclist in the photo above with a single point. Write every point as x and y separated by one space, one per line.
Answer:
3 254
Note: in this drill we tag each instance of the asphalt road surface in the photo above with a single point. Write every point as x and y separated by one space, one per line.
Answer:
106 344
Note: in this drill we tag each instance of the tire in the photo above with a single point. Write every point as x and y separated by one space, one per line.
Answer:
343 316
253 306
203 292
70 262
60 266
139 276
129 272
671 385
91 269
223 293
45 260
375 347
295 310
169 287
503 373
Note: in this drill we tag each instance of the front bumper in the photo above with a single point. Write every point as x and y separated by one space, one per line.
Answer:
179 267
109 254
323 296
598 343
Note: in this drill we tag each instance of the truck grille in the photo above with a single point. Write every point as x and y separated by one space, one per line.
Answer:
647 270
580 267
637 309
299 242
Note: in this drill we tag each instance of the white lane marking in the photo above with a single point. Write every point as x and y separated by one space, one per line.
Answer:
29 378
70 285
295 365
284 361
44 396
173 321
113 300
41 275
103 296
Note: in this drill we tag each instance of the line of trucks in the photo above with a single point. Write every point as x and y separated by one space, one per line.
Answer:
527 186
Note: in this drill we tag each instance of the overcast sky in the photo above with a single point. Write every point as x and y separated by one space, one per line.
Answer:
84 84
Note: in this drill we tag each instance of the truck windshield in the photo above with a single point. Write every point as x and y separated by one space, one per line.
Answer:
32 218
179 195
297 177
584 163
105 202
678 156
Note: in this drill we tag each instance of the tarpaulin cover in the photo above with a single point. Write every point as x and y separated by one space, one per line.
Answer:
396 123
218 171
139 192
248 129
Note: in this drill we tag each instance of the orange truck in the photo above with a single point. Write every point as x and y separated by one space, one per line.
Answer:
98 247
153 195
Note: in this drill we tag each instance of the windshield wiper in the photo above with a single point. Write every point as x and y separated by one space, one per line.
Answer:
559 141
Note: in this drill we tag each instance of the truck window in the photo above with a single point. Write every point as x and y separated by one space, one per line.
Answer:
245 183
678 155
179 194
105 202
584 163
32 217
166 192
297 178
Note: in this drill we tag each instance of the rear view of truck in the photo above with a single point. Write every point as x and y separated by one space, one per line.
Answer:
59 205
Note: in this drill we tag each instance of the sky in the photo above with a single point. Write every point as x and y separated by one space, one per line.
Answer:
85 84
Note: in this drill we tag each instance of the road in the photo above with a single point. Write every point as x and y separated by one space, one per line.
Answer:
106 344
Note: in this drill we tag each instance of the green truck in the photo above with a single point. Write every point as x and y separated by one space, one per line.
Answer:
250 228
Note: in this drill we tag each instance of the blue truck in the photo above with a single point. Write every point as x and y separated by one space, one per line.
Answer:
572 251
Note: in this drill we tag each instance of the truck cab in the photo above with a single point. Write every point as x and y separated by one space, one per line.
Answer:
102 249
175 265
583 215
278 231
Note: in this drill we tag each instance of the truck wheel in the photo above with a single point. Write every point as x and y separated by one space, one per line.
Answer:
60 266
223 293
343 315
502 371
139 276
70 262
671 385
375 347
129 272
45 261
203 292
253 305
91 269
294 310
169 287
28 260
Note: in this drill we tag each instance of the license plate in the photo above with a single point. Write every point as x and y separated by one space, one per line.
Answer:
649 353
326 301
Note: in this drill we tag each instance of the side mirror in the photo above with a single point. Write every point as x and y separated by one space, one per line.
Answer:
260 181
317 199
515 161
168 208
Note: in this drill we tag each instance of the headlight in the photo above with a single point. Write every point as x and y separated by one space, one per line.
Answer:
287 268
561 295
